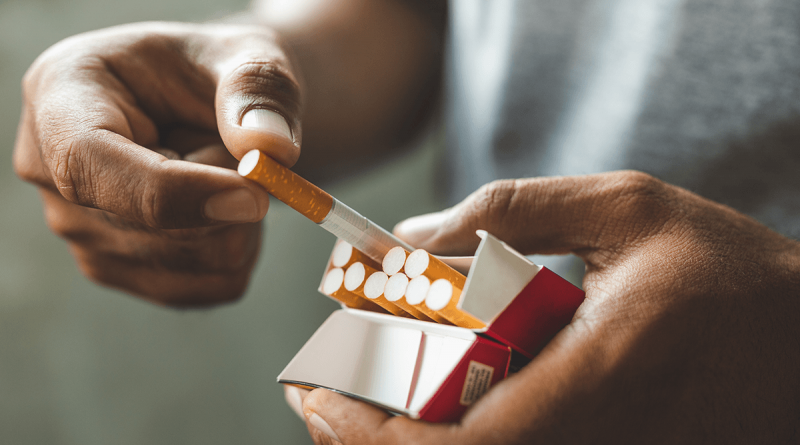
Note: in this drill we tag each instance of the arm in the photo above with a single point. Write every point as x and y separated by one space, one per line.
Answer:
370 71
130 134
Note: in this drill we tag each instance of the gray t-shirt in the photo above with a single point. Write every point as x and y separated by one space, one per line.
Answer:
703 94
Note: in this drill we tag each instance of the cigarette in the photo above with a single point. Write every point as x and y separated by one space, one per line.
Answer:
420 262
394 260
415 296
443 298
417 289
344 254
332 287
394 291
318 206
355 281
375 285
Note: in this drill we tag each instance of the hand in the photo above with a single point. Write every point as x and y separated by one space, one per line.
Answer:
689 333
125 131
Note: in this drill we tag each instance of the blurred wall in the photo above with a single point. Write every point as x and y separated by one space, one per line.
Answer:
80 364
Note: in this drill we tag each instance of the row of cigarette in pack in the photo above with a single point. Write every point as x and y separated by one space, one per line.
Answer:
407 284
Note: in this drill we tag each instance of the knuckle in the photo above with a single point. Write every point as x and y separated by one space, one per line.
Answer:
640 206
156 207
495 202
52 63
267 83
640 193
152 208
71 166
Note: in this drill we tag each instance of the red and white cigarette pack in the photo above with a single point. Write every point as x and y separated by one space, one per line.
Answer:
522 304
435 372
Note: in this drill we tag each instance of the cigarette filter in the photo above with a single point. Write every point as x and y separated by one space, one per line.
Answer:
332 287
394 260
355 281
416 291
420 262
443 298
394 291
318 206
344 254
428 370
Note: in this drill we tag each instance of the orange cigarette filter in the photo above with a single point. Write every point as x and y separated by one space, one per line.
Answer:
344 254
318 206
420 262
355 281
333 286
289 187
394 291
443 298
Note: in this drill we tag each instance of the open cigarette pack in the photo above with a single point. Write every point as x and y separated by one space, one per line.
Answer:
417 363
415 336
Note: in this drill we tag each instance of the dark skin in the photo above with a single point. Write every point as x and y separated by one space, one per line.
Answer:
689 331
141 100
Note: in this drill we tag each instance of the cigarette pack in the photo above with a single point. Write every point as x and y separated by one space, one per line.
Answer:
432 371
420 369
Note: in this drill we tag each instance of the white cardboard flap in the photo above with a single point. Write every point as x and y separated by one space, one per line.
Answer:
390 361
439 355
496 277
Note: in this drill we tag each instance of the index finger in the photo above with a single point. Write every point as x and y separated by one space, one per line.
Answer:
555 215
83 126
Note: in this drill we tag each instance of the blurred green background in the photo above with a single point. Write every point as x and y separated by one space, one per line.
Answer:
81 364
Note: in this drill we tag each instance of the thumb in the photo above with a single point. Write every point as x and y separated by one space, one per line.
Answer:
339 419
258 101
336 418
579 214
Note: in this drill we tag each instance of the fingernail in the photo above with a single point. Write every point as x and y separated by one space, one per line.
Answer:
267 121
417 229
323 426
294 400
231 206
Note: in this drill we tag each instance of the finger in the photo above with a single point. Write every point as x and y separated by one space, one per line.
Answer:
96 166
162 287
86 132
531 405
294 398
349 421
218 250
178 268
579 214
216 155
27 159
258 101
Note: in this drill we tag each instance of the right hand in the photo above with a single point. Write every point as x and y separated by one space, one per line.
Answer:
124 131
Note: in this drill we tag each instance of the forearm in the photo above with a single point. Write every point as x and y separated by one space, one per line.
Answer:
370 72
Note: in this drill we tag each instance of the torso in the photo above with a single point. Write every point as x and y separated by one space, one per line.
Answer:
704 94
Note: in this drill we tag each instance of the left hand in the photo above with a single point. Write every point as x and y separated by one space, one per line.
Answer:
689 333
131 135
